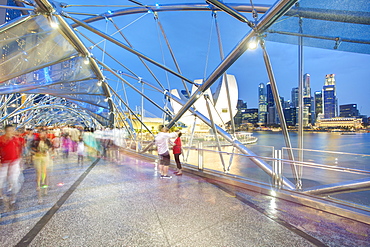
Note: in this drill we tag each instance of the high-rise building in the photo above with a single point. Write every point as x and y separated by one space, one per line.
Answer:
271 109
270 96
330 101
272 116
262 104
306 85
308 103
250 116
241 106
286 104
330 80
349 110
290 115
318 103
294 98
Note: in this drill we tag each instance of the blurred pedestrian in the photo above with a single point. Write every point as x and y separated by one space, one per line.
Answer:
80 152
28 138
92 146
41 148
67 145
11 147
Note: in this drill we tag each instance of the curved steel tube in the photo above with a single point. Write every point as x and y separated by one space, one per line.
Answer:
260 8
260 163
338 188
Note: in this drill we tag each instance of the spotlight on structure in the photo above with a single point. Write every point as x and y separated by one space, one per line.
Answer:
86 60
253 43
53 21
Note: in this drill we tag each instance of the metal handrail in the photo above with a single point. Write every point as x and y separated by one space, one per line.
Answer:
324 151
301 163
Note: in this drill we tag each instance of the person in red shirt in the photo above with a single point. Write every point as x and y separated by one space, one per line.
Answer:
177 150
10 155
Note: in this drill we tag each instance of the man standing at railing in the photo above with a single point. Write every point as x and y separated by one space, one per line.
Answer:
161 141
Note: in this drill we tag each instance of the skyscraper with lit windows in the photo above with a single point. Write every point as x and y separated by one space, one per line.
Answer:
294 97
330 101
262 104
318 103
306 85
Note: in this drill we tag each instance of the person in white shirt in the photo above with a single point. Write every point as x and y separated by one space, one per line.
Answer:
161 141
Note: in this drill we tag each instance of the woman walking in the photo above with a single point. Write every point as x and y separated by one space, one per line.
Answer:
40 148
177 150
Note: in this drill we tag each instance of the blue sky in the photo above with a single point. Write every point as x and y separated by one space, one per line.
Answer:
189 34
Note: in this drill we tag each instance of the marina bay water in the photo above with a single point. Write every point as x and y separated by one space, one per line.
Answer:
329 141
320 148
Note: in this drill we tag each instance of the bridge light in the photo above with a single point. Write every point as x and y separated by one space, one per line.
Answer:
253 43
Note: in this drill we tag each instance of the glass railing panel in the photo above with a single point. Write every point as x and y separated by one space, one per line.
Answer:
328 169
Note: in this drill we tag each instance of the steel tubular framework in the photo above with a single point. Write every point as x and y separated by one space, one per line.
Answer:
109 99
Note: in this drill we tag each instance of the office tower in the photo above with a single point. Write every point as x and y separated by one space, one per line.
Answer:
290 115
294 98
330 80
286 104
282 101
262 104
271 109
250 116
241 107
306 85
318 103
329 97
349 110
271 116
269 95
308 103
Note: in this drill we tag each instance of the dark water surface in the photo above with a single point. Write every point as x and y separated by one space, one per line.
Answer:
358 143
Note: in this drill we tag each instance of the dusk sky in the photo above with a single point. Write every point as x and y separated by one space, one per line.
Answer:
189 34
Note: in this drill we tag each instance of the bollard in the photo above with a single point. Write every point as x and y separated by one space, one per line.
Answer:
279 169
274 169
200 156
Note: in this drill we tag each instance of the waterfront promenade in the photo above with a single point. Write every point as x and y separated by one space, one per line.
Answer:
125 203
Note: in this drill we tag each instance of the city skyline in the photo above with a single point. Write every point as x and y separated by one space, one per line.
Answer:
312 94
191 47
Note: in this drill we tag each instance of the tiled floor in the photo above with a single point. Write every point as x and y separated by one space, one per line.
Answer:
127 204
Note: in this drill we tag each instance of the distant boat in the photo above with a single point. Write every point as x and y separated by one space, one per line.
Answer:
348 133
243 137
275 129
246 137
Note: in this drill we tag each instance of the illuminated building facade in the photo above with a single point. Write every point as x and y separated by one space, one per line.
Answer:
318 103
349 110
262 104
329 97
335 123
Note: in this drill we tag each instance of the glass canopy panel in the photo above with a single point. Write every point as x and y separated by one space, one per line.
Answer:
100 114
342 25
30 44
70 79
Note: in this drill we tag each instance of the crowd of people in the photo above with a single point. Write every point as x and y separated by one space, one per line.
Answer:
36 149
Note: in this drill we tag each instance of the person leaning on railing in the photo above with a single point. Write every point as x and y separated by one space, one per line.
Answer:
162 142
177 150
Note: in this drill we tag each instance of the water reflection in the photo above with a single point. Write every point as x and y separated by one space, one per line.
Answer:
320 143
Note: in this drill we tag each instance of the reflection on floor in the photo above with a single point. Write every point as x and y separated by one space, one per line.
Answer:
125 203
